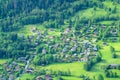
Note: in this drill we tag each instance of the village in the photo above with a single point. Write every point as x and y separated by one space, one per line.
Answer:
72 45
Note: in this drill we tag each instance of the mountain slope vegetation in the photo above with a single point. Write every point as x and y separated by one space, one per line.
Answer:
16 13
59 39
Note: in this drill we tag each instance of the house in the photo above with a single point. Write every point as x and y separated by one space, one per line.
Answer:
29 71
95 49
14 63
105 44
51 29
114 39
21 36
22 59
4 64
17 68
43 51
39 35
45 33
34 29
48 77
74 48
84 59
68 39
56 45
112 66
66 31
11 77
39 78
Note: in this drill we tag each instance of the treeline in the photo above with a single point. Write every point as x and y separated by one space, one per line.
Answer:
46 59
89 64
16 13
13 46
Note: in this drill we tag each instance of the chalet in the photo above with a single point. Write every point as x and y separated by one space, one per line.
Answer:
30 68
68 39
34 29
31 37
14 63
94 40
29 71
11 77
103 27
38 37
112 66
9 68
89 31
56 45
114 39
51 29
84 59
73 48
45 33
36 43
94 53
39 78
50 47
43 51
66 31
48 77
64 50
81 53
105 44
17 68
40 33
95 49
22 59
4 65
51 37
75 57
21 36
95 34
85 41
88 52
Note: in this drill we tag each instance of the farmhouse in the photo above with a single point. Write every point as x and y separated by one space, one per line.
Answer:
39 78
48 77
112 66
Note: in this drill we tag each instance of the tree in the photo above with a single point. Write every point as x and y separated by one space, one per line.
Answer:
114 10
87 66
100 77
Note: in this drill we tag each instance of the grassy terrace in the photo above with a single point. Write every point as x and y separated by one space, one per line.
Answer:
3 61
27 30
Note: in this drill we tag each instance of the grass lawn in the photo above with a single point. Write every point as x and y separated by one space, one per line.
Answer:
71 78
109 4
76 69
106 22
27 30
27 76
3 61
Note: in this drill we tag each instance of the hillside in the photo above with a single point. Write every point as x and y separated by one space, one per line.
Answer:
59 40
18 13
